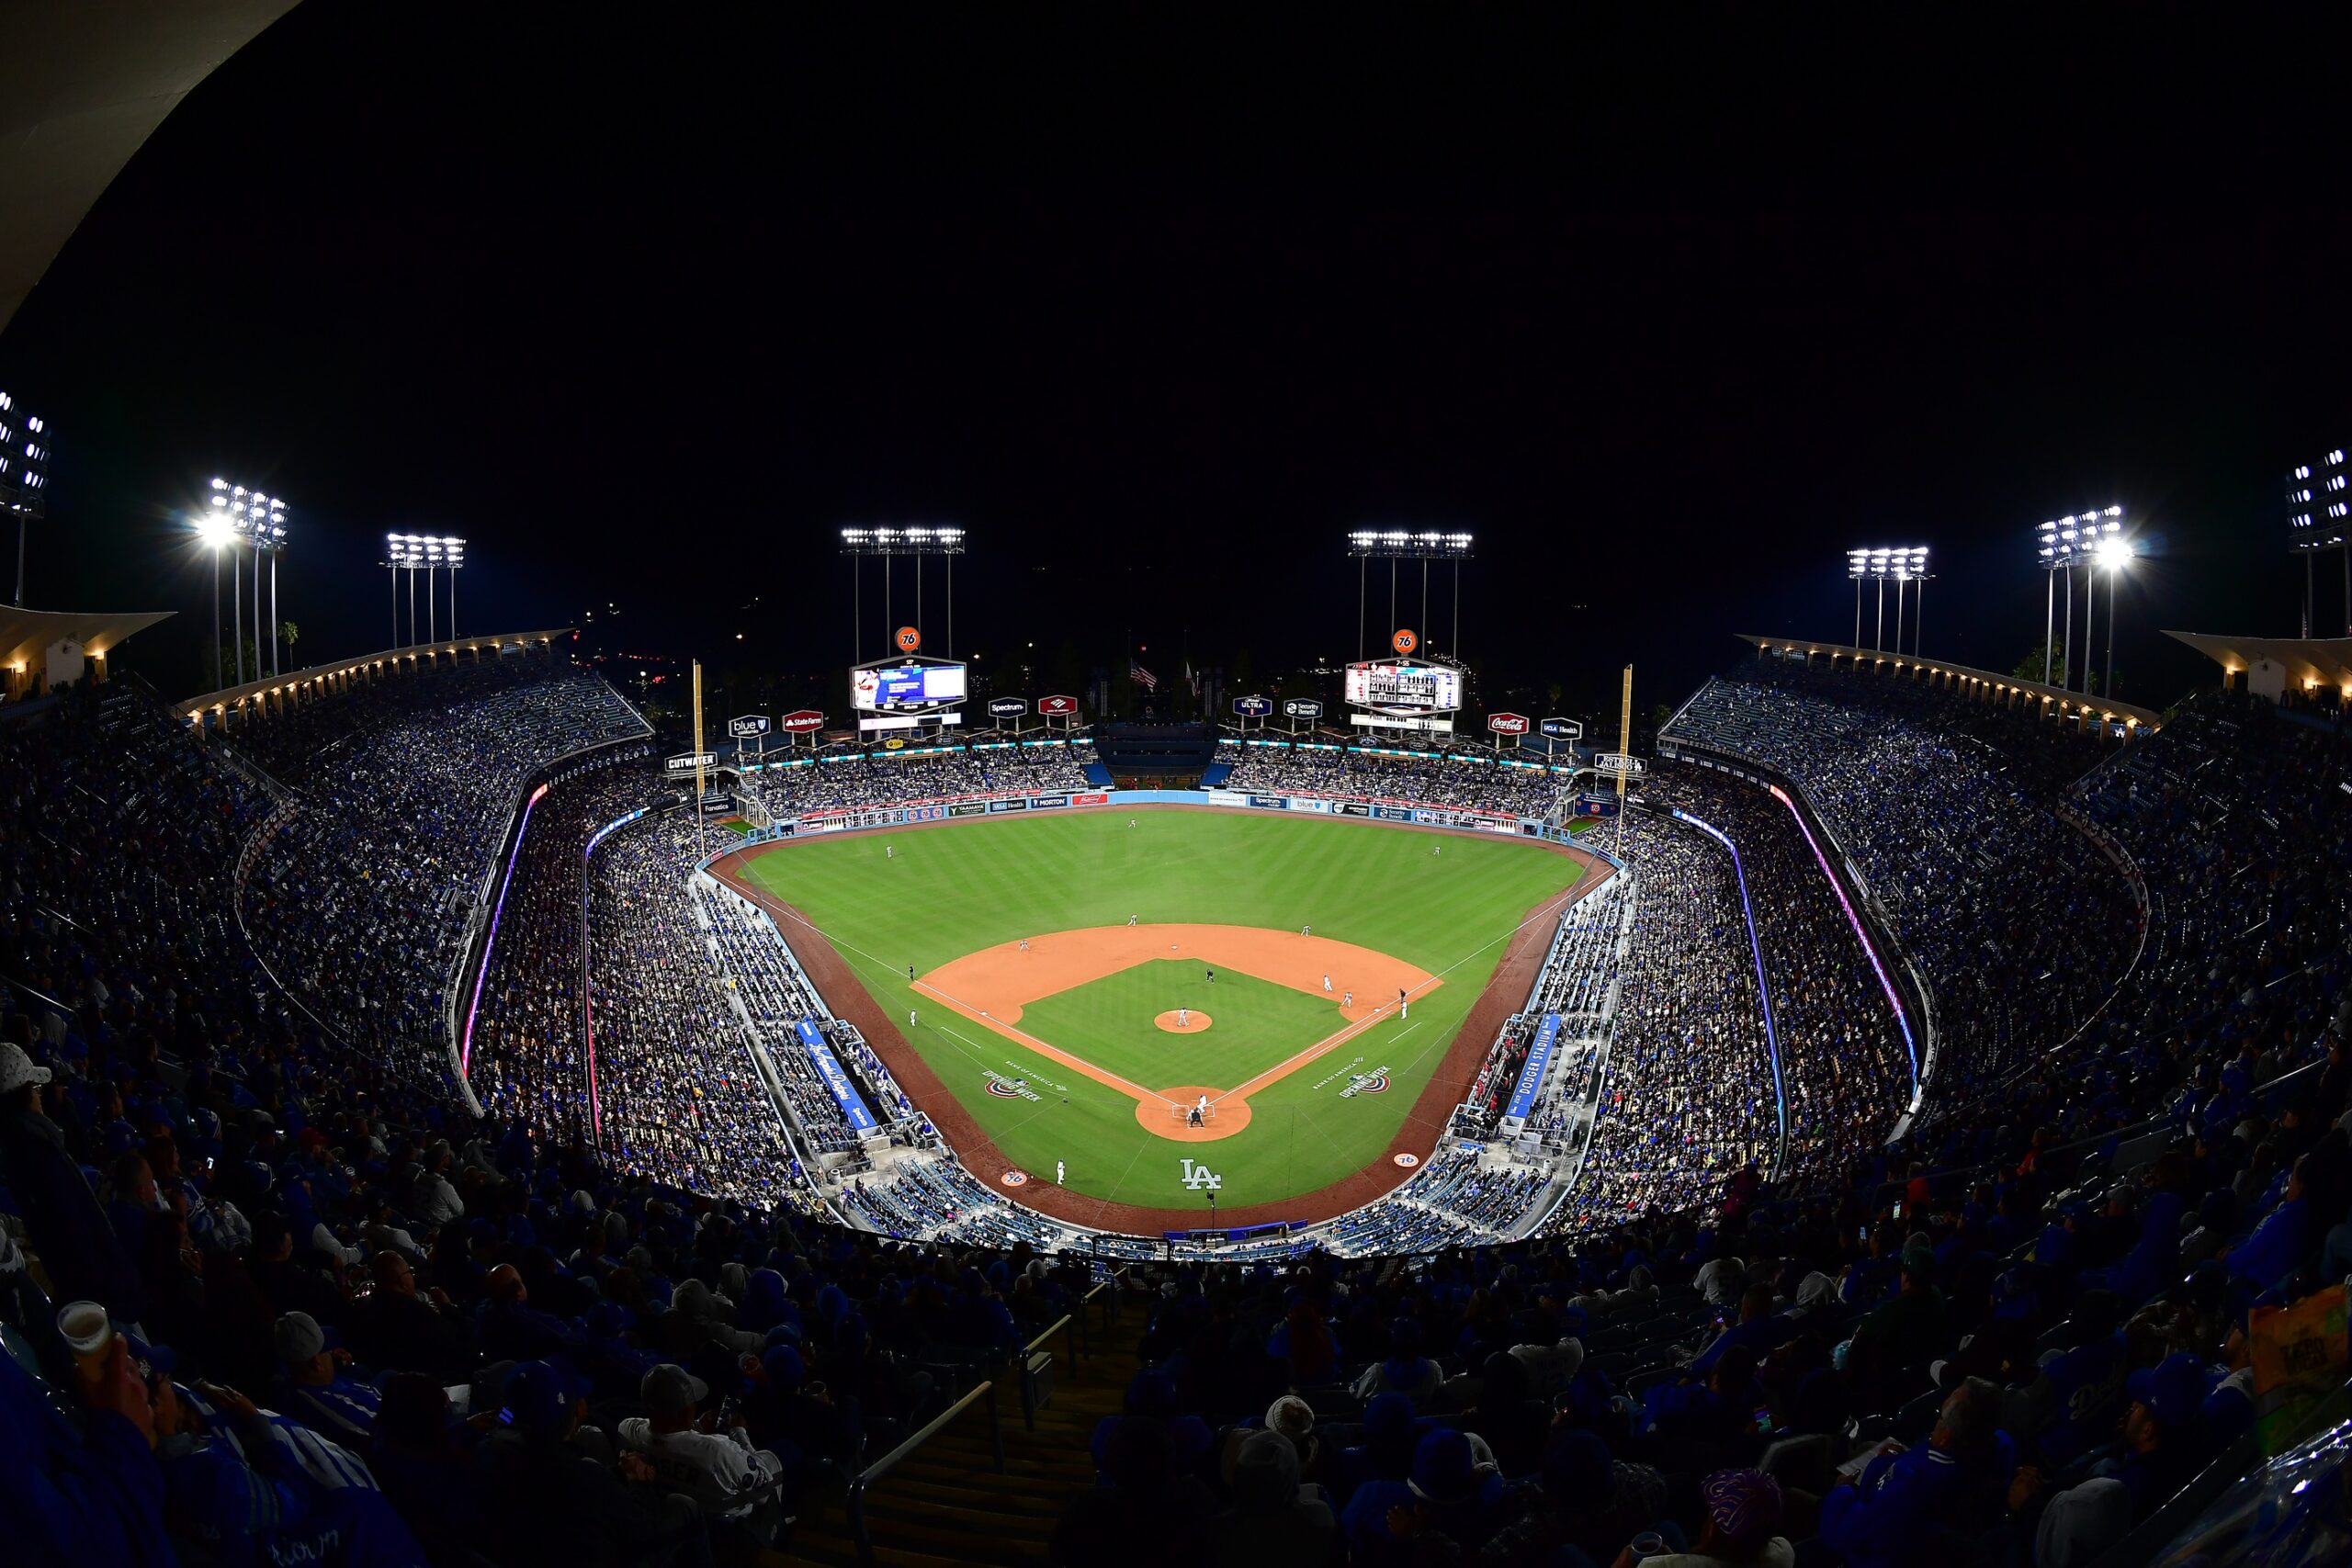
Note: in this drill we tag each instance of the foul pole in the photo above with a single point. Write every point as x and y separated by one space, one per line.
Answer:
702 846
1624 747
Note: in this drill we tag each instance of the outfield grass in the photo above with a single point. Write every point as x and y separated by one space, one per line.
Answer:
950 890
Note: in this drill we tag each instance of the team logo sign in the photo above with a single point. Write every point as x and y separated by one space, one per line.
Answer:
1407 1161
1015 1178
1201 1179
1372 1082
1405 641
907 640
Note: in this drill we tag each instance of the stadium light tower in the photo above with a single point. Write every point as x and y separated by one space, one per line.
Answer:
2319 518
1423 544
213 533
2058 547
1910 566
916 541
2115 554
23 473
258 520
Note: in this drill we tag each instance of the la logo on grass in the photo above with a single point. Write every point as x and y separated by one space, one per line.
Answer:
1200 1177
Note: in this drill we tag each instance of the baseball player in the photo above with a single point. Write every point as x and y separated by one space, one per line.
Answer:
1327 985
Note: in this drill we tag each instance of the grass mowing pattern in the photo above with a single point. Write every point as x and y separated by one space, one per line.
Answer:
948 890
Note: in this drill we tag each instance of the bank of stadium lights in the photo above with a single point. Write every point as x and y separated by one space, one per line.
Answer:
258 520
2319 518
1423 544
2111 555
427 553
24 473
918 540
1901 565
2059 546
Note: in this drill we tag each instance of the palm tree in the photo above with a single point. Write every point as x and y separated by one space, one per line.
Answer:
292 634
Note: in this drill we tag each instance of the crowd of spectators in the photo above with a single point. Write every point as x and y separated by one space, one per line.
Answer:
1465 777
337 1310
1688 1098
362 890
846 777
2021 926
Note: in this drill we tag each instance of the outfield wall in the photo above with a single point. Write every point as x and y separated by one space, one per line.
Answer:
1375 809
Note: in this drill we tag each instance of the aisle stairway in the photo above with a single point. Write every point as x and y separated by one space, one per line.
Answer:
945 1505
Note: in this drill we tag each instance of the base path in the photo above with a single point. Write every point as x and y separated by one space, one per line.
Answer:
1422 1127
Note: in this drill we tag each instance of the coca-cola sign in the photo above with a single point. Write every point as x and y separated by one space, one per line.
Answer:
1507 723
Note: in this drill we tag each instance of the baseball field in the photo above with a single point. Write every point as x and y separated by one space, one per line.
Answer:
1135 1011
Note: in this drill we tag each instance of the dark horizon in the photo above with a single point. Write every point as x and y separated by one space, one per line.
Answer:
1160 311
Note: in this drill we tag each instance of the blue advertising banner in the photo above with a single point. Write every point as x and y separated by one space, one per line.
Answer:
837 1082
1539 1058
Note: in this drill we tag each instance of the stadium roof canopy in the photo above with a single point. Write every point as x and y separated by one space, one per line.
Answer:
83 84
26 635
1998 682
2308 661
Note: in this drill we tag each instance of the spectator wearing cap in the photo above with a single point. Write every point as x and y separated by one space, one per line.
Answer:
313 1387
1910 1502
1909 1331
1290 1415
718 1463
1451 1505
2162 1429
512 1328
557 1505
67 1228
1742 1528
1273 1522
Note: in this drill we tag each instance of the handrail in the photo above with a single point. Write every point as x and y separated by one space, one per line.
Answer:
883 1466
1062 1325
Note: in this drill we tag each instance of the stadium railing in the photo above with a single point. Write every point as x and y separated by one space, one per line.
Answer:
872 1474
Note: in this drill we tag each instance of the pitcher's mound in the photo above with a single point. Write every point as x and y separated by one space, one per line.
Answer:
1194 1021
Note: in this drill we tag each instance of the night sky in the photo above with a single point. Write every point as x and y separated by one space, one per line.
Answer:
647 309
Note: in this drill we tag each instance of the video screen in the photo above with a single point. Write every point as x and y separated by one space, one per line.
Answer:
906 686
1418 687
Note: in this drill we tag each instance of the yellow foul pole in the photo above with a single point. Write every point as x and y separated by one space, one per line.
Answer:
698 778
1624 747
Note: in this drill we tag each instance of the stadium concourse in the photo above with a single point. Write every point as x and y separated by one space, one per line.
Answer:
435 1164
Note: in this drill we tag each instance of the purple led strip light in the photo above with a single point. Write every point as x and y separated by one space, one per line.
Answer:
1893 1000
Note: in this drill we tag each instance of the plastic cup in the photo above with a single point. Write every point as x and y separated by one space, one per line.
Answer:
87 1333
1647 1544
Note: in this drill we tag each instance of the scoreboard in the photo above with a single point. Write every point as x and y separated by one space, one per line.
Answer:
890 688
1397 686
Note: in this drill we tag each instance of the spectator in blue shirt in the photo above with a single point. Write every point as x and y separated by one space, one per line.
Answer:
1952 1491
315 1392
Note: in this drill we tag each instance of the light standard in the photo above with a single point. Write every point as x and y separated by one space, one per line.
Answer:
212 532
916 542
1424 545
2319 517
2057 546
453 557
23 473
259 520
2114 554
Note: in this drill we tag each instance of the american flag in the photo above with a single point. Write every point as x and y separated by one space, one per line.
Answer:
1142 677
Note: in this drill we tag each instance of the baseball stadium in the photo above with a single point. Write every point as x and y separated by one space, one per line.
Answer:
1286 1038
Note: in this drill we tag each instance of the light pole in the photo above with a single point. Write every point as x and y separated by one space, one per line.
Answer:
2114 554
1424 544
2319 517
259 520
23 473
213 533
2058 545
1858 567
914 542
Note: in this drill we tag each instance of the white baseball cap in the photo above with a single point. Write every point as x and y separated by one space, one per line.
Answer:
16 1070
